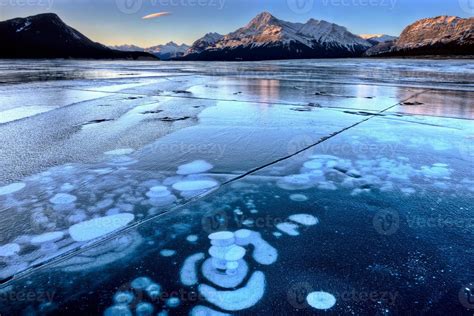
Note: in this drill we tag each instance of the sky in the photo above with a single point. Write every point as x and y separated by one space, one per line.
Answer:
114 22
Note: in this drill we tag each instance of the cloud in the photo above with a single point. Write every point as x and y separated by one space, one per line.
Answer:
155 15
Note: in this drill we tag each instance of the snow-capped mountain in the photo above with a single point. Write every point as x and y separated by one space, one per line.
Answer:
168 51
164 52
267 37
378 38
47 36
204 42
443 35
128 48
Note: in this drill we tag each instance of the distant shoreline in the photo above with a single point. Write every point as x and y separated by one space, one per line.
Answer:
430 57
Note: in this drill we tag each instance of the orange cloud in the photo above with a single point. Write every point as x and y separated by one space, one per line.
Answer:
155 15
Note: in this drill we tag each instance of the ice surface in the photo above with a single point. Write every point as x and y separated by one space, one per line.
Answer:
118 310
288 228
197 166
123 298
221 278
47 237
144 309
205 311
153 291
63 198
298 197
120 152
263 252
99 227
167 253
173 302
414 164
9 250
321 300
188 274
296 182
237 300
195 185
141 283
12 188
304 219
192 238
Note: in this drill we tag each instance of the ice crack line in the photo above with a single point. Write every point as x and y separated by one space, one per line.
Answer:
244 101
93 244
323 139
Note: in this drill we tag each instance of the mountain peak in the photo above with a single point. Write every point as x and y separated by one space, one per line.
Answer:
263 19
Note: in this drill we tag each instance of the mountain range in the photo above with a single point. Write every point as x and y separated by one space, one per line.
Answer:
166 51
47 36
378 38
264 37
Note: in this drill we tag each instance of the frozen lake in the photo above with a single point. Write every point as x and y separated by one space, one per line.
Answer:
344 186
